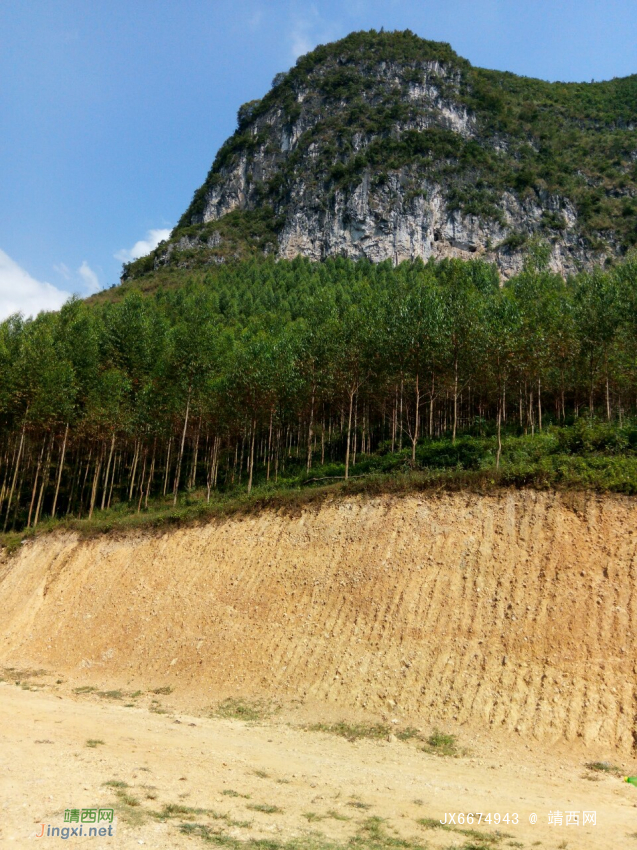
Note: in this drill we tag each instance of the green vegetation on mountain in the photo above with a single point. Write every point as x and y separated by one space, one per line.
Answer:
265 376
377 104
216 375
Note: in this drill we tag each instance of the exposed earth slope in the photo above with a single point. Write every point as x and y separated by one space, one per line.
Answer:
514 611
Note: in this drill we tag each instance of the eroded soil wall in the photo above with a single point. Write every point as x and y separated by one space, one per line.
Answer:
515 610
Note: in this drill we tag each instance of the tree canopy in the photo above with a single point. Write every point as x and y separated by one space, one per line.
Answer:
260 365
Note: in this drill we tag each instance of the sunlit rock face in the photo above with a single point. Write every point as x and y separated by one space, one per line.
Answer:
389 147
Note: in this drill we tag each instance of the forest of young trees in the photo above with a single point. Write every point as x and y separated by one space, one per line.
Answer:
228 379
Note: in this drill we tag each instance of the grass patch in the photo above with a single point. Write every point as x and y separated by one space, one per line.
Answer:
130 809
603 767
372 834
265 808
474 834
177 810
171 811
334 815
165 691
250 711
111 694
128 800
442 744
85 689
357 731
92 743
127 806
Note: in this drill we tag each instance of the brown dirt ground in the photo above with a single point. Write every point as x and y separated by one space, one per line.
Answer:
178 759
506 619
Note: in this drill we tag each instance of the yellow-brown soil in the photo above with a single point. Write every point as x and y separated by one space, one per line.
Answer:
316 784
514 612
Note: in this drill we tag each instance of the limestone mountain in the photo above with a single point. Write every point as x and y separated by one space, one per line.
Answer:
390 147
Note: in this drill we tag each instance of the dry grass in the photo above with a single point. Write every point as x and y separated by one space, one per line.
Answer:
250 711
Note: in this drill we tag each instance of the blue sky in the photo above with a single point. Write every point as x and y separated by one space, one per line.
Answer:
112 112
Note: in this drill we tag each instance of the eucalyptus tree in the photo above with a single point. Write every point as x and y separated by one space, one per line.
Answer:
502 324
539 293
191 358
464 288
262 364
355 356
598 318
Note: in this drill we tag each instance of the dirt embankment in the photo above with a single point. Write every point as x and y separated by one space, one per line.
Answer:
515 611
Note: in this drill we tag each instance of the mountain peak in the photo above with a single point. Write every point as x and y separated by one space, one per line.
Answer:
387 146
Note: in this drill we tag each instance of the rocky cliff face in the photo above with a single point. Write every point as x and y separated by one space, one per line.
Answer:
388 147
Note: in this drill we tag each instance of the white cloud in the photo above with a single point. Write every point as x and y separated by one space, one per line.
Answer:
309 29
89 278
21 293
301 43
63 270
144 246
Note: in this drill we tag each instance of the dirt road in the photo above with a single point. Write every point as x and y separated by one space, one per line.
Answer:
276 780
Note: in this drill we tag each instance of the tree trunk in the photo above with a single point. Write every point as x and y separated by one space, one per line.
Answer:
181 451
60 468
455 399
349 429
267 476
193 474
134 469
212 469
116 465
15 475
98 467
499 451
394 419
355 432
254 430
170 442
108 471
400 420
86 471
416 421
151 475
141 481
46 474
35 482
310 433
